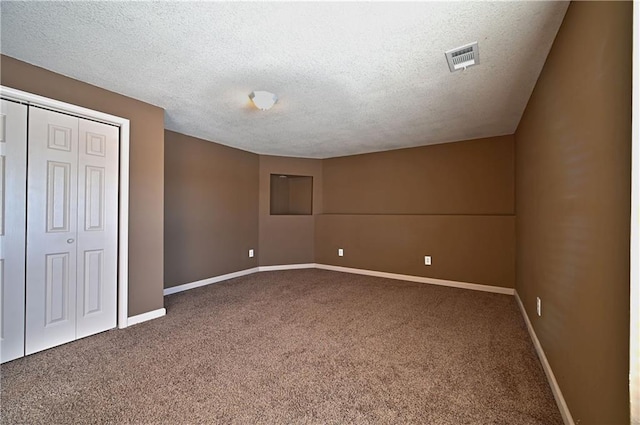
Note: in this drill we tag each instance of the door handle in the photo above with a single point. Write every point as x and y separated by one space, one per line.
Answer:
70 240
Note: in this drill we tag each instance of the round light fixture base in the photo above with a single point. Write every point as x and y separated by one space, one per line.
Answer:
263 100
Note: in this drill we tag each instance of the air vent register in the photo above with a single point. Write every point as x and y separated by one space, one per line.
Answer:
463 57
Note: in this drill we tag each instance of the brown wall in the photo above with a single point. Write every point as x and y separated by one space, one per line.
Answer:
279 195
287 239
454 202
211 209
291 194
301 195
470 177
573 150
465 248
146 169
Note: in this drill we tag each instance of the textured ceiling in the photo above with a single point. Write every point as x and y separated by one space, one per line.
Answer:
350 77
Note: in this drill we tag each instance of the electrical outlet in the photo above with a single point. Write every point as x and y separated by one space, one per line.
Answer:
340 252
251 253
539 306
427 260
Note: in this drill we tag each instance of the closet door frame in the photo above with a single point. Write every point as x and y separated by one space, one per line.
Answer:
123 189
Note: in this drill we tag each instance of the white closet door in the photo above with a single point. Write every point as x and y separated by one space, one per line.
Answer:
52 198
97 228
72 229
13 162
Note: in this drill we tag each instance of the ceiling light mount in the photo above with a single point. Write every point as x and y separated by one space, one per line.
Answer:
263 100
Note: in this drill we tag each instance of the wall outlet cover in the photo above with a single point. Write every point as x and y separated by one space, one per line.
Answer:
340 252
251 253
427 260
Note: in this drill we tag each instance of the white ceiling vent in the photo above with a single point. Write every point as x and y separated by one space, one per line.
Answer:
463 57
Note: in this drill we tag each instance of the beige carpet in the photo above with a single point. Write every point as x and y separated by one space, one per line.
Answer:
296 347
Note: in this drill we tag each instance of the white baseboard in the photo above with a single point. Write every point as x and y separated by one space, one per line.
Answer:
133 320
420 279
555 388
287 267
216 279
406 277
209 281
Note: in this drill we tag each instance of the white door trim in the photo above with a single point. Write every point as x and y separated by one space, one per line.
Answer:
123 199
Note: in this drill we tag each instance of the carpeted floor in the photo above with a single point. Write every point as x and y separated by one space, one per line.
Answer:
296 347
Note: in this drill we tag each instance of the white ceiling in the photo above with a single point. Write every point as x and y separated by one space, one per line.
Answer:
351 77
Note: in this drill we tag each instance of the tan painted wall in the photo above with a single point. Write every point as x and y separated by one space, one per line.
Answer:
465 248
300 195
146 169
469 177
211 209
287 239
279 195
573 204
454 202
291 195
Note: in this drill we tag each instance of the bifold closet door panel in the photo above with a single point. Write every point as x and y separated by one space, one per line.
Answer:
13 186
52 197
97 228
72 228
